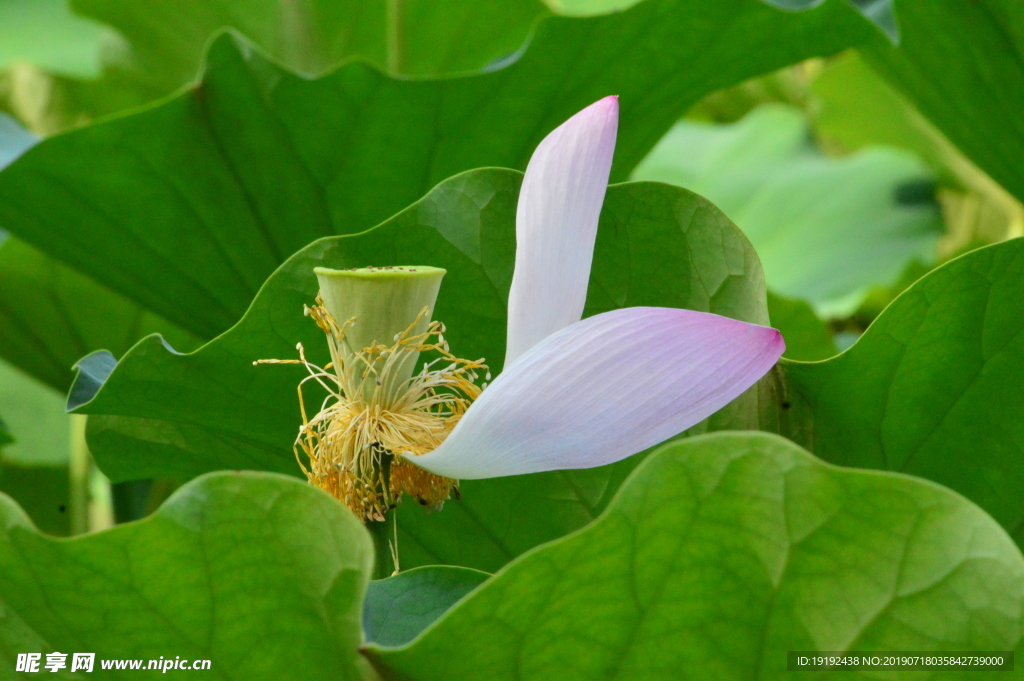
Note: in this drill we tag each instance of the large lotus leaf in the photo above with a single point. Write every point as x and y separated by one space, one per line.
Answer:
162 43
50 314
187 207
961 64
47 34
230 560
934 388
718 556
826 230
165 414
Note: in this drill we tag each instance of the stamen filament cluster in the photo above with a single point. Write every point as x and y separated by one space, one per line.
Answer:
372 415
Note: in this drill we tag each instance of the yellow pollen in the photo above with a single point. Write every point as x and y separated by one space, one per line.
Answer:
354 444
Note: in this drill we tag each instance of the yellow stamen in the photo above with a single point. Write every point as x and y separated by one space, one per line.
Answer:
371 416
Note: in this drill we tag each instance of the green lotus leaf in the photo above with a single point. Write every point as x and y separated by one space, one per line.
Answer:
165 414
934 388
50 314
722 553
188 206
161 45
230 560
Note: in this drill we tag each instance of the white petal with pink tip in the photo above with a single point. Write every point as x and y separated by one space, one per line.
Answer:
556 224
604 388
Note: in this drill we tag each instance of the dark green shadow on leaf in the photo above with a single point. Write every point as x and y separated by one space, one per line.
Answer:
92 372
397 609
43 492
5 435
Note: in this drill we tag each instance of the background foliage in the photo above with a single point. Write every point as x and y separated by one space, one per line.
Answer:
179 168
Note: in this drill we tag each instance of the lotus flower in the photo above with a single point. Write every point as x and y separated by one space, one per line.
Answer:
574 393
582 393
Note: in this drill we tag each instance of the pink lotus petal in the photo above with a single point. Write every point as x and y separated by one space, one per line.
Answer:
605 388
556 223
